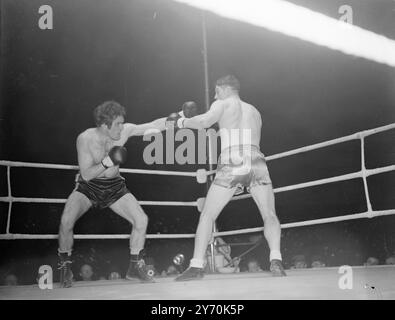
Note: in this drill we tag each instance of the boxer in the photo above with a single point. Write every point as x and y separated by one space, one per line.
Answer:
241 165
99 184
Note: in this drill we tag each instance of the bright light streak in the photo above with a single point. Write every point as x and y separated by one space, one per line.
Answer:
304 24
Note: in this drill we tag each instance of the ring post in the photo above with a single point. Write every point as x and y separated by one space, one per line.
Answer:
207 102
10 199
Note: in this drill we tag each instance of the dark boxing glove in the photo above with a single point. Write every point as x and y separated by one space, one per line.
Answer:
190 109
116 156
176 120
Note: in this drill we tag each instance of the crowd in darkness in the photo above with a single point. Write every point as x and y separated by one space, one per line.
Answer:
357 243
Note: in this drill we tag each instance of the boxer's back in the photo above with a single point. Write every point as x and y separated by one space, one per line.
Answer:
241 122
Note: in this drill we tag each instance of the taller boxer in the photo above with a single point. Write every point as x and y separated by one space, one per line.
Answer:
241 164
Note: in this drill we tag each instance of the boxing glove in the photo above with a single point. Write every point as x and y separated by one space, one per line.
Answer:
116 156
176 119
190 109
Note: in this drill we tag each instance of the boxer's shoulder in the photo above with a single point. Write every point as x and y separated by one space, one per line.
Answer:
88 140
88 134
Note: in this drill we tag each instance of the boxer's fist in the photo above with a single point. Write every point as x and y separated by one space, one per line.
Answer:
175 120
116 156
190 109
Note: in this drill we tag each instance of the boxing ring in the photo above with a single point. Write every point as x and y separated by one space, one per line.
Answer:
369 282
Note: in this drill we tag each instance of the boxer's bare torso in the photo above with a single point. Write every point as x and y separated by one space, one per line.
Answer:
95 147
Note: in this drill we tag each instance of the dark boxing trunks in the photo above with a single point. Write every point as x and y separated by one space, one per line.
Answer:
242 166
102 192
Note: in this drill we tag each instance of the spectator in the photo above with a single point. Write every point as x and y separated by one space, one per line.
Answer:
317 262
371 261
114 275
255 238
253 266
390 260
86 272
299 262
236 264
11 280
171 271
221 254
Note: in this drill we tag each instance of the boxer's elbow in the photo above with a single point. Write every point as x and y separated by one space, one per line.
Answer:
86 175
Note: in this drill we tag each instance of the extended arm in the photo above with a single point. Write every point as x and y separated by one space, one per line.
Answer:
145 128
206 120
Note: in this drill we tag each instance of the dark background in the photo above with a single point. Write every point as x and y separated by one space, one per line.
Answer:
147 55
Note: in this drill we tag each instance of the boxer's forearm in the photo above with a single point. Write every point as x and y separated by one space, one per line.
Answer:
194 123
159 124
92 172
146 128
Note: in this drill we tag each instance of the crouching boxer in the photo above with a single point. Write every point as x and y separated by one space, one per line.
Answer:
99 184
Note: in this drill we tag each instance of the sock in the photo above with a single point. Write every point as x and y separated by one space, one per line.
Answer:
64 253
275 255
135 255
196 263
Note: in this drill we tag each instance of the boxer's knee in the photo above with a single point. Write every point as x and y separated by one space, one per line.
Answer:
68 220
141 222
66 224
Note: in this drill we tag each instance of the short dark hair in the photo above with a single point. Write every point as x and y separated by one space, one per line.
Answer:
107 112
230 81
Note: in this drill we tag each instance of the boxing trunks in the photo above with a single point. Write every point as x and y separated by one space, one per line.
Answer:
102 192
242 166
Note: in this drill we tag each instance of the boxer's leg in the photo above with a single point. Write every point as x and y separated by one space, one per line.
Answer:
128 207
263 196
217 198
77 204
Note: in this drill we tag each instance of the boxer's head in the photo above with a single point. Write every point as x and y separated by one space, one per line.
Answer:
110 116
226 87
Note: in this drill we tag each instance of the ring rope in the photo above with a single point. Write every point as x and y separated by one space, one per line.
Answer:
52 200
14 236
349 176
355 136
72 167
363 173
